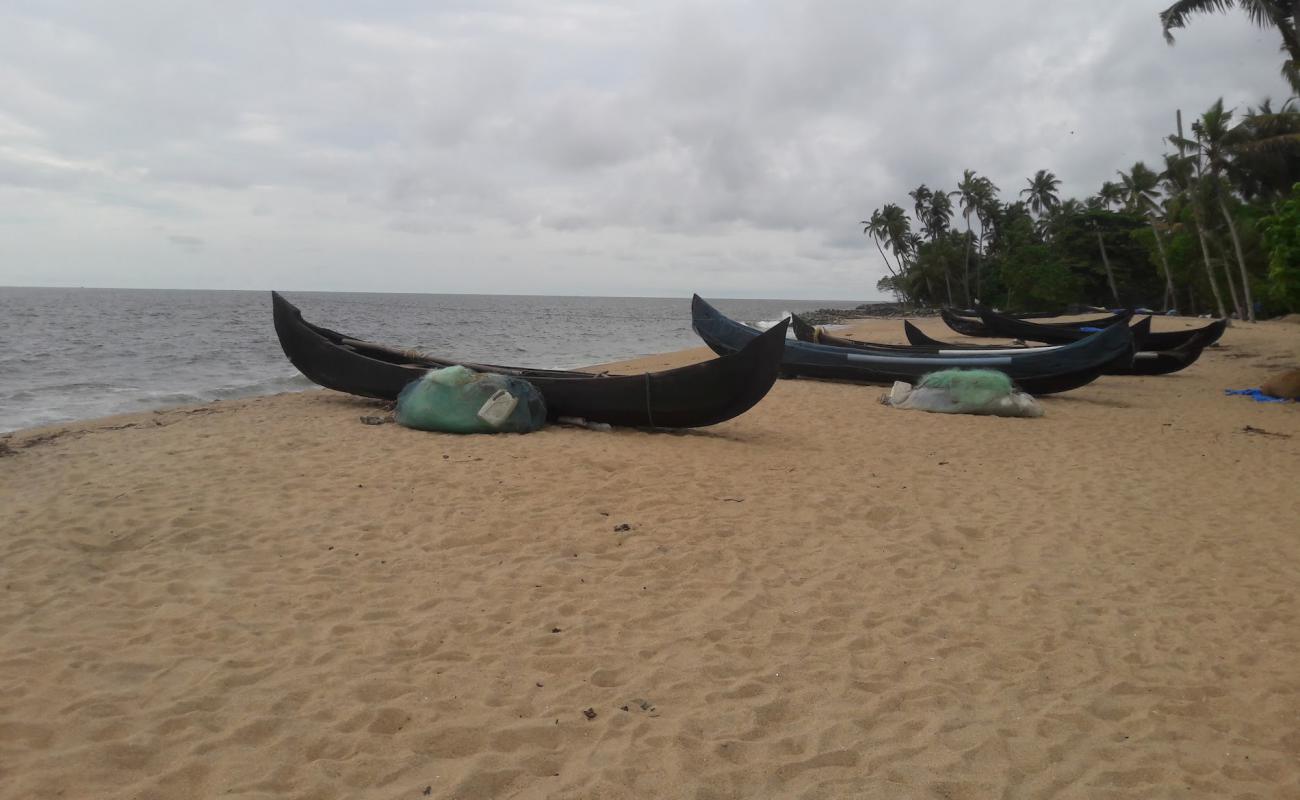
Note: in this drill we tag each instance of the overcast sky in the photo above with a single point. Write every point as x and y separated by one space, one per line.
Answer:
606 148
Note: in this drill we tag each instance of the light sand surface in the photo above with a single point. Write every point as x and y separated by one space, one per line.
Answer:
823 598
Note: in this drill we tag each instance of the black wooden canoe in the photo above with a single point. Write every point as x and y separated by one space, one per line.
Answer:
999 325
1144 362
687 397
969 323
918 341
966 326
805 331
1046 371
1141 338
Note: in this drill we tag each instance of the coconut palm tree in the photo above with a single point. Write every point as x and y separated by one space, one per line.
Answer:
1284 15
989 212
1042 192
921 201
933 212
1110 194
1215 140
1267 157
939 214
1180 187
974 191
1069 208
878 229
938 217
1141 192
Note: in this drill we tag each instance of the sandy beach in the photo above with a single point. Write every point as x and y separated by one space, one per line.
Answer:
823 598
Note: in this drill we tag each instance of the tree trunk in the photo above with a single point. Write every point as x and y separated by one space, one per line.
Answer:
888 266
1110 276
966 278
1232 285
947 279
1209 270
929 288
897 285
1171 300
1241 259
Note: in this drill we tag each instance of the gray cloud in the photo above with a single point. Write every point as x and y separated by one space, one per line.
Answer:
585 147
186 242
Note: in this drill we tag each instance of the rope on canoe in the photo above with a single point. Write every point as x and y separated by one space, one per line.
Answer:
414 355
650 414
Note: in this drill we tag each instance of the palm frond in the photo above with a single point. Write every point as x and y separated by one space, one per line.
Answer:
1177 15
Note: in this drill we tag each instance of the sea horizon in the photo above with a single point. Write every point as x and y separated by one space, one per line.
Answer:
282 290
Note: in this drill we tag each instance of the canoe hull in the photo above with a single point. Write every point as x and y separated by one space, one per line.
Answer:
1143 363
1059 370
1146 362
999 325
687 397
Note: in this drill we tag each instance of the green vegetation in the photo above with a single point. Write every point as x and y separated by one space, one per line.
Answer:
1215 228
1282 241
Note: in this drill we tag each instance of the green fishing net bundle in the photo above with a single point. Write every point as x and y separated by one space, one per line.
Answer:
459 400
969 388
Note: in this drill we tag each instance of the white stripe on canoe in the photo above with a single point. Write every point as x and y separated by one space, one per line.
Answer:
996 361
1001 351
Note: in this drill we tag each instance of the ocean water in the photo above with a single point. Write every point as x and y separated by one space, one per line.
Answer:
69 354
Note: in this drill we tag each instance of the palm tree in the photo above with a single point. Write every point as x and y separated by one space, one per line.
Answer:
1140 185
1180 187
1042 192
938 216
877 228
1215 140
973 191
989 211
1070 208
1281 14
1110 194
921 201
1267 157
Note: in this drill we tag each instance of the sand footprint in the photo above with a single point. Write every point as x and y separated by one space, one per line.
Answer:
607 678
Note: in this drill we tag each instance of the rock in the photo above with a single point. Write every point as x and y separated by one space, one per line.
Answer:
829 316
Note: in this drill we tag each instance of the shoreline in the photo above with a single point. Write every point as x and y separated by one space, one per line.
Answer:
881 329
650 362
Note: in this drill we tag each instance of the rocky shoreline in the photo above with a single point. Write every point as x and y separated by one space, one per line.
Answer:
832 316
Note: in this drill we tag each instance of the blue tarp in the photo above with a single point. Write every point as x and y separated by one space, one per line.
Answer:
1256 394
